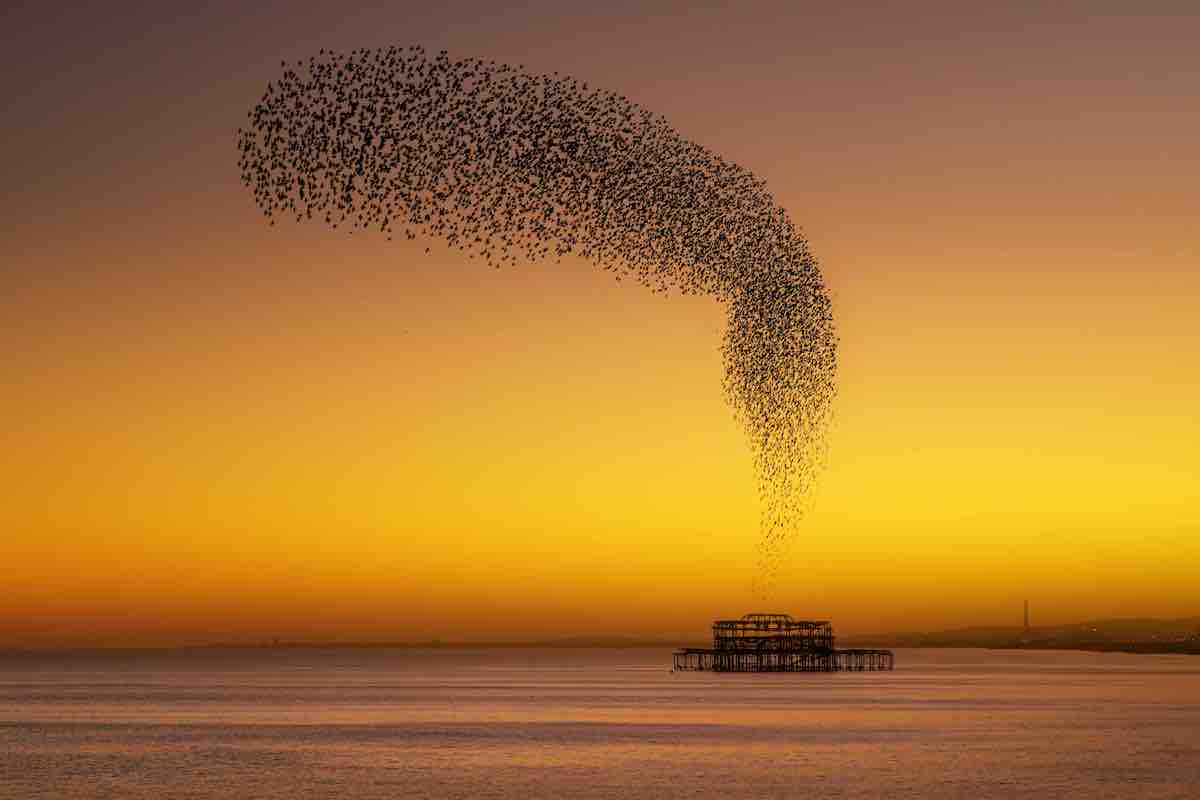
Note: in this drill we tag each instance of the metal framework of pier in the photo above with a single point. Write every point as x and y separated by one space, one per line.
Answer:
777 643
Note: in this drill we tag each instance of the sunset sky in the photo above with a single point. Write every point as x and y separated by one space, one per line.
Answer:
216 430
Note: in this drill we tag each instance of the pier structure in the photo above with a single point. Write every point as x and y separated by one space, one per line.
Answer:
777 643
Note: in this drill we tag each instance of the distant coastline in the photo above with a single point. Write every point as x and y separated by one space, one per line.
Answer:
1139 636
597 642
1140 648
1148 636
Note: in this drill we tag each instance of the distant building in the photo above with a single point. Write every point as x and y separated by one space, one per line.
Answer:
777 643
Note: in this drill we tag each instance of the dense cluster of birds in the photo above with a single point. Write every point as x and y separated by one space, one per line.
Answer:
510 166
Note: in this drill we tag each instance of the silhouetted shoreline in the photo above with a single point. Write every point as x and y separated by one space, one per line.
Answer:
1149 636
1139 636
611 643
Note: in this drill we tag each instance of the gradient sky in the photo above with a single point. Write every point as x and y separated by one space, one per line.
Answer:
215 430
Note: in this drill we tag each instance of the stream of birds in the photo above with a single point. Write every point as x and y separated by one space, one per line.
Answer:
509 166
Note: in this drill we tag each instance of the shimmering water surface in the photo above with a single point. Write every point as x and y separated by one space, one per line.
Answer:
296 723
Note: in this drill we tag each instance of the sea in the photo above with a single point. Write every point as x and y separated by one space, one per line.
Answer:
294 723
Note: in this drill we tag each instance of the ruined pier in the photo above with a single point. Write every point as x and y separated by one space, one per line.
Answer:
777 643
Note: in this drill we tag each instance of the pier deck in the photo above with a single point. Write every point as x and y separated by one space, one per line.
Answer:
777 643
693 659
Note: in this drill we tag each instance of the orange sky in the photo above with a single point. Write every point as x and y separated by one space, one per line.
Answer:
217 430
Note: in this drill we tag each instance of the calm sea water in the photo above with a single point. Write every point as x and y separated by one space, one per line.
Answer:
595 723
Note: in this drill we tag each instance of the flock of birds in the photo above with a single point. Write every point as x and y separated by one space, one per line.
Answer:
510 166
